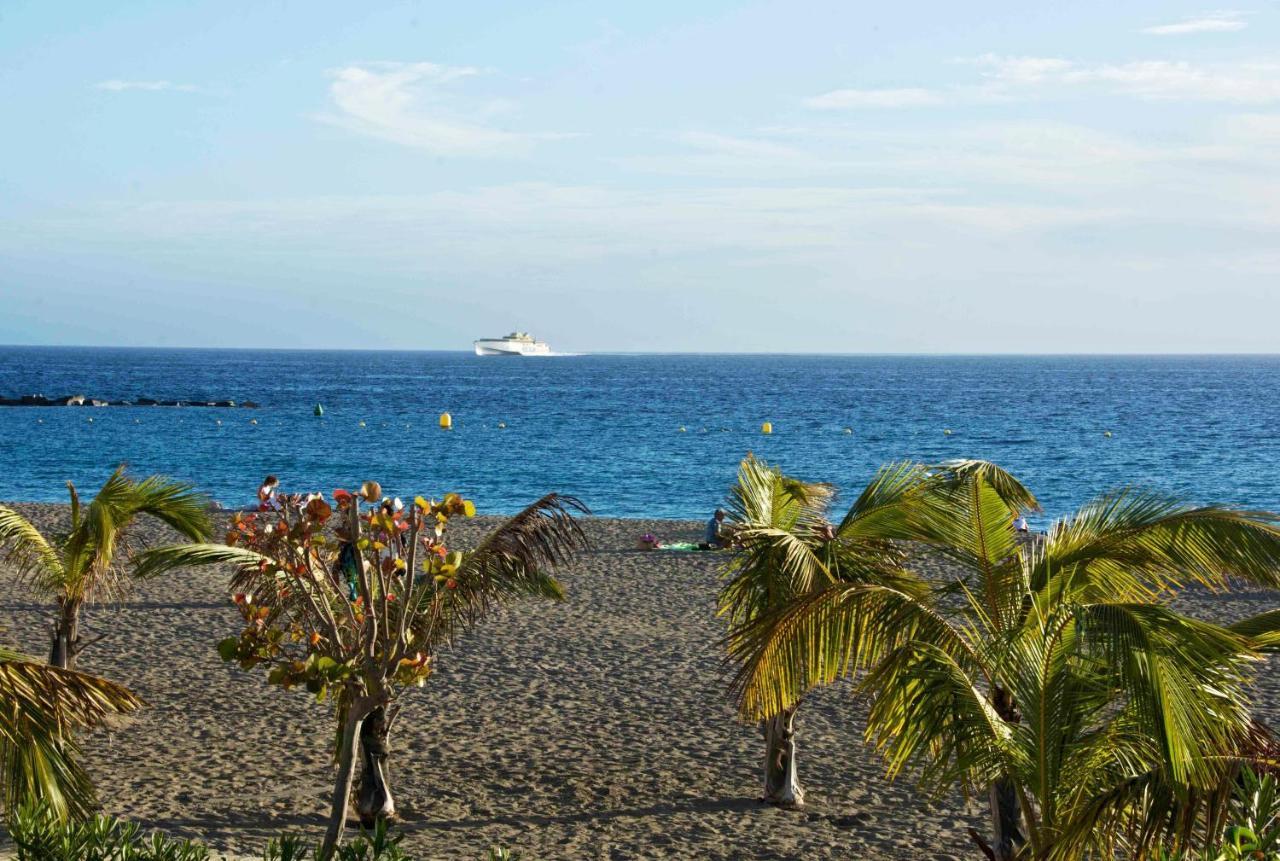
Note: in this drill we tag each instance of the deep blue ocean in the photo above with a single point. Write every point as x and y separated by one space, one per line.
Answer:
607 427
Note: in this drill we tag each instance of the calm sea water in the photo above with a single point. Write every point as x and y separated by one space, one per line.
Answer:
607 427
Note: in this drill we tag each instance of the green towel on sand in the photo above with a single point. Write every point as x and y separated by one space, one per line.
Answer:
680 545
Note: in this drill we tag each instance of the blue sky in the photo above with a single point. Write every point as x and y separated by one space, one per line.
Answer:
772 176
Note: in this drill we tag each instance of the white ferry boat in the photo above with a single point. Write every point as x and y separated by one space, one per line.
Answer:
515 344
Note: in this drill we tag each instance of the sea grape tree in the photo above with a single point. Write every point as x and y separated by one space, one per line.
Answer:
351 600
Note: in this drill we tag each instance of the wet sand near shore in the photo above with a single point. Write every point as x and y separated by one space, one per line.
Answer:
596 728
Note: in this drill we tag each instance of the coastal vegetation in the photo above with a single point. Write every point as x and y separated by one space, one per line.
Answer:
41 709
1059 677
82 565
1054 676
352 603
787 549
40 835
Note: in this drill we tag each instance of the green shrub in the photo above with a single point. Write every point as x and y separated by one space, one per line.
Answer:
40 835
1253 830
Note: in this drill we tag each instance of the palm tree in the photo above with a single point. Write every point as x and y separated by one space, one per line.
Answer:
41 708
789 549
80 567
1053 675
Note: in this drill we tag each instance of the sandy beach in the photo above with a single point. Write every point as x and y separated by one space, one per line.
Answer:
598 728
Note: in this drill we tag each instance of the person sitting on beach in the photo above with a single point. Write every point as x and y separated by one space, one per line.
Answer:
716 536
1020 524
267 494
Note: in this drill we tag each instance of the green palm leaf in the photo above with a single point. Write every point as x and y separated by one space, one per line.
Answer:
32 557
41 709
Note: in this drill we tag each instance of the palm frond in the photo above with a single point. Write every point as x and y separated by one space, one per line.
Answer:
1139 544
1183 679
176 503
22 545
969 521
779 528
513 560
881 512
1014 494
927 715
90 548
819 637
41 708
1263 629
156 561
764 497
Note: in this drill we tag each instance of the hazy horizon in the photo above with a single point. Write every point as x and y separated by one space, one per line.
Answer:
743 177
570 355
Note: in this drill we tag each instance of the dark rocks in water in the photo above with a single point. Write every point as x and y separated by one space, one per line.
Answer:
85 401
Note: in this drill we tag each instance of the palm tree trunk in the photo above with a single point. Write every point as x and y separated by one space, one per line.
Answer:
1006 820
1006 811
66 635
781 782
342 785
373 799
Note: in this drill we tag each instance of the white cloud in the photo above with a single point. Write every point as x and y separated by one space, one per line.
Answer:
907 97
1242 83
413 104
1166 80
1016 78
1211 22
1021 71
118 86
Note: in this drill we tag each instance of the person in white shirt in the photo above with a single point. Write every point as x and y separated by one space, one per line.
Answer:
267 500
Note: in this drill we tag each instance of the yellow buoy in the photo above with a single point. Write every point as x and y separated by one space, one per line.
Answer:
1106 433
947 432
501 425
848 430
682 429
767 427
446 421
253 421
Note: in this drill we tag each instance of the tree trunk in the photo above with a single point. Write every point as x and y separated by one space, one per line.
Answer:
342 784
1006 820
1006 811
781 782
373 799
66 635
